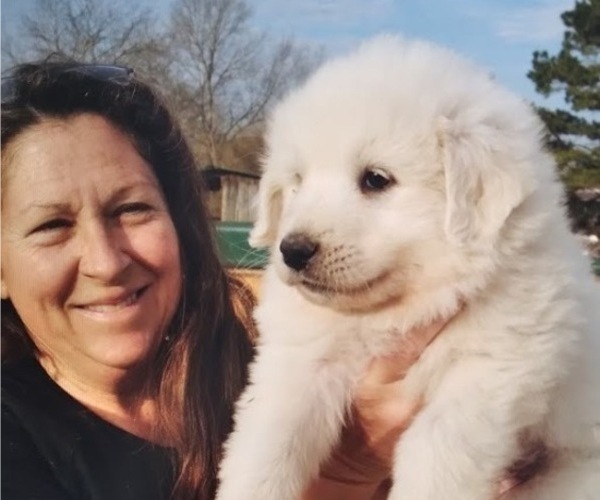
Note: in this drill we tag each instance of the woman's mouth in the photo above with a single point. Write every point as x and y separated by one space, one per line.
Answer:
113 305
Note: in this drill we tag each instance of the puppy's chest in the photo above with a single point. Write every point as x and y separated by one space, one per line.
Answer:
365 338
382 336
460 340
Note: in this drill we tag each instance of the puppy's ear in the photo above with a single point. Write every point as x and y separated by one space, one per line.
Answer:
482 187
270 204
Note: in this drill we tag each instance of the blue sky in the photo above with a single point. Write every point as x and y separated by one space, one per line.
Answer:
500 35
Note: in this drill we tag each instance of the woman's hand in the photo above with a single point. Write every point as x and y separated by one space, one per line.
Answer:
382 410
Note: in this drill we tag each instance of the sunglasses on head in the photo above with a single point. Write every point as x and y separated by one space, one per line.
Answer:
120 75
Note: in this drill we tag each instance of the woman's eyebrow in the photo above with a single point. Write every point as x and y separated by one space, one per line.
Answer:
118 195
141 186
46 206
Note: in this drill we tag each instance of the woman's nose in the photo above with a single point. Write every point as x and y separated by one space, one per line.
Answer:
103 256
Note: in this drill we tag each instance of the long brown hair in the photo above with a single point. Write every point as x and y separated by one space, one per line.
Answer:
202 367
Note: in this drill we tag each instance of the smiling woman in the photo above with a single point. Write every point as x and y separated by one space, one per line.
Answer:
121 350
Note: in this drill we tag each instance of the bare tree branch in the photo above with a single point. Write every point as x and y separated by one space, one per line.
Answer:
218 73
230 72
85 30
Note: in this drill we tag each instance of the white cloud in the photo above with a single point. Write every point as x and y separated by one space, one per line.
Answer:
345 11
334 25
537 21
340 13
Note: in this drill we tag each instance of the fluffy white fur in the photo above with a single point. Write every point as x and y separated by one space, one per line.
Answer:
473 215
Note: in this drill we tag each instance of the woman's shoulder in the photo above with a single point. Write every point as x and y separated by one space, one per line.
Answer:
22 375
52 443
31 460
16 372
26 389
30 395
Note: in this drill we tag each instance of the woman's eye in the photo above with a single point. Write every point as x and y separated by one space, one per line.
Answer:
133 208
375 180
52 225
134 213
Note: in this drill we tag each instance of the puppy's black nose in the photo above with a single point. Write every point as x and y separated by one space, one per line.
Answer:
297 250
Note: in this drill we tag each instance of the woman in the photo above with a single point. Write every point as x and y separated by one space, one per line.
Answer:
122 353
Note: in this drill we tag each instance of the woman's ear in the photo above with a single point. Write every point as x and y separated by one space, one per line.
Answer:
270 203
483 186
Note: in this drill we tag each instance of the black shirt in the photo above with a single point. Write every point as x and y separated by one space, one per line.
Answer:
55 448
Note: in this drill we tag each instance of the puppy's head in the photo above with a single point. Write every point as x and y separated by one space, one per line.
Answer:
391 173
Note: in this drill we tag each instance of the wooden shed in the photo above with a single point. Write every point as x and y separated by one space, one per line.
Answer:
231 194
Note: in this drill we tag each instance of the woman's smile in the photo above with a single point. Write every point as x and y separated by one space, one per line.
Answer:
90 259
108 307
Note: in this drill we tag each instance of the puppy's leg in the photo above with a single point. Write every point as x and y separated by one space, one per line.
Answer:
457 448
287 422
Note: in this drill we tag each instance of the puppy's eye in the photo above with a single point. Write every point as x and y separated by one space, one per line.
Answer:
375 180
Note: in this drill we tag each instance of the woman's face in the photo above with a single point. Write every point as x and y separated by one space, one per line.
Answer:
90 256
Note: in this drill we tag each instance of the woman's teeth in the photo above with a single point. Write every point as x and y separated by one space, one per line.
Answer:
114 307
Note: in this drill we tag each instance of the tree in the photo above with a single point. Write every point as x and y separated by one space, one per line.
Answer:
90 31
218 74
227 73
574 133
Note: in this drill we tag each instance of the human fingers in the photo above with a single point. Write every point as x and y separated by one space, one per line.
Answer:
382 407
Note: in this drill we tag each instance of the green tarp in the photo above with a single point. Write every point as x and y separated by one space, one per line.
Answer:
232 240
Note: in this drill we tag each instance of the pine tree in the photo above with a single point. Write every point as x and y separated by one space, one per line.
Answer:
574 133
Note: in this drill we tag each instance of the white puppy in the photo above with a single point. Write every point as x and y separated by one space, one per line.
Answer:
400 182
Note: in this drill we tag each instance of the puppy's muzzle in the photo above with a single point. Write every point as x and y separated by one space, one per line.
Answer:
297 250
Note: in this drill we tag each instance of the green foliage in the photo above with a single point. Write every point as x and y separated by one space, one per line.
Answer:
581 178
574 133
